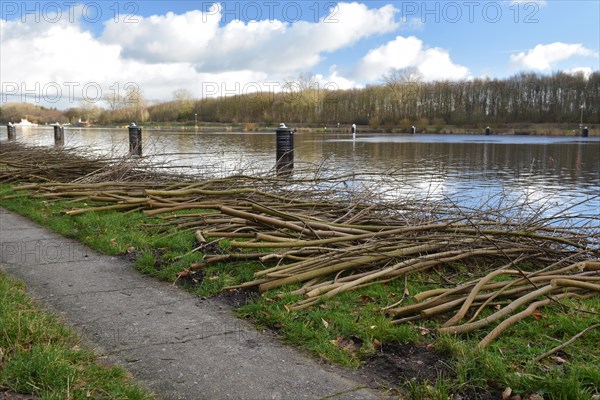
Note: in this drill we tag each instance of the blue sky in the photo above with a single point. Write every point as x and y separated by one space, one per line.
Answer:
77 50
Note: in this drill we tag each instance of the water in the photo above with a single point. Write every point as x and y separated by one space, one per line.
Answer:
549 172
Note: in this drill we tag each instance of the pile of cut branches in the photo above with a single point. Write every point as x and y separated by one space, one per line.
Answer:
34 164
326 240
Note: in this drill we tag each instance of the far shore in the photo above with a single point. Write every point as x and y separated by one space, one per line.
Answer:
548 129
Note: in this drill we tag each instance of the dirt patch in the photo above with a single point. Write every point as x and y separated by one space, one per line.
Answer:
190 279
397 363
128 256
15 396
480 394
212 248
237 298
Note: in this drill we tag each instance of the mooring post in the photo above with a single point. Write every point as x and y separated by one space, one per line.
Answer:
59 135
353 131
488 131
413 130
11 130
585 132
135 139
284 138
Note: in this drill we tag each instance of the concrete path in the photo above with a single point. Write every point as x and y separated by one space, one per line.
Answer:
174 343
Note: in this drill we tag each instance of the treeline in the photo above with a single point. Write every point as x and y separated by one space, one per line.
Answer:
14 112
529 98
401 101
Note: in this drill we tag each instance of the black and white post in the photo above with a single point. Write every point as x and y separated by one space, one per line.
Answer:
284 139
135 140
488 131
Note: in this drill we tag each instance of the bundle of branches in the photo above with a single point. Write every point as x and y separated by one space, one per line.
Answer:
505 297
315 195
329 257
25 163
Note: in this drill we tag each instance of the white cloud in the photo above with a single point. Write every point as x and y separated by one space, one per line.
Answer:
402 52
335 80
163 53
586 71
46 57
267 45
544 57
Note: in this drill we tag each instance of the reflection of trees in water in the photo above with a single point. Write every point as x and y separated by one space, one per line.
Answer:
561 162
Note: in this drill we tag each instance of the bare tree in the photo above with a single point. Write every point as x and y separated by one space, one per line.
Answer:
114 100
182 95
135 103
402 76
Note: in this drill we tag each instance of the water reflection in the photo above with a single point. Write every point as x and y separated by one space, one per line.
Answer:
553 170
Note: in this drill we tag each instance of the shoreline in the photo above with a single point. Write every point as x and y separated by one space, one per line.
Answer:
553 131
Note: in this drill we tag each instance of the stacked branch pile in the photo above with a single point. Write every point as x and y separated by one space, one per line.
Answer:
327 239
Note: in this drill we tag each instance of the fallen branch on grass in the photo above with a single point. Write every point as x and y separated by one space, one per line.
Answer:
567 343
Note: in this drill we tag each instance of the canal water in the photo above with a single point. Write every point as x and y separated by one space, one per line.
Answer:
550 172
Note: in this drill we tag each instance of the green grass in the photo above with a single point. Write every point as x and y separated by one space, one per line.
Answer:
327 329
40 356
508 362
349 328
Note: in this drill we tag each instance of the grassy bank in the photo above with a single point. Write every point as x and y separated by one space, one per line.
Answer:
41 357
349 329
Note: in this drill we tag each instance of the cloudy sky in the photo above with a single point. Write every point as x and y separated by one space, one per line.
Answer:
57 53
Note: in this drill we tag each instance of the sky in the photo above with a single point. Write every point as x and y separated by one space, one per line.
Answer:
65 53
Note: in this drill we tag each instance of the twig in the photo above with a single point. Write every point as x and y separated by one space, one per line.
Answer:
567 343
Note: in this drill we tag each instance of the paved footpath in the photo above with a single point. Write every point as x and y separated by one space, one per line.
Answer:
174 343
